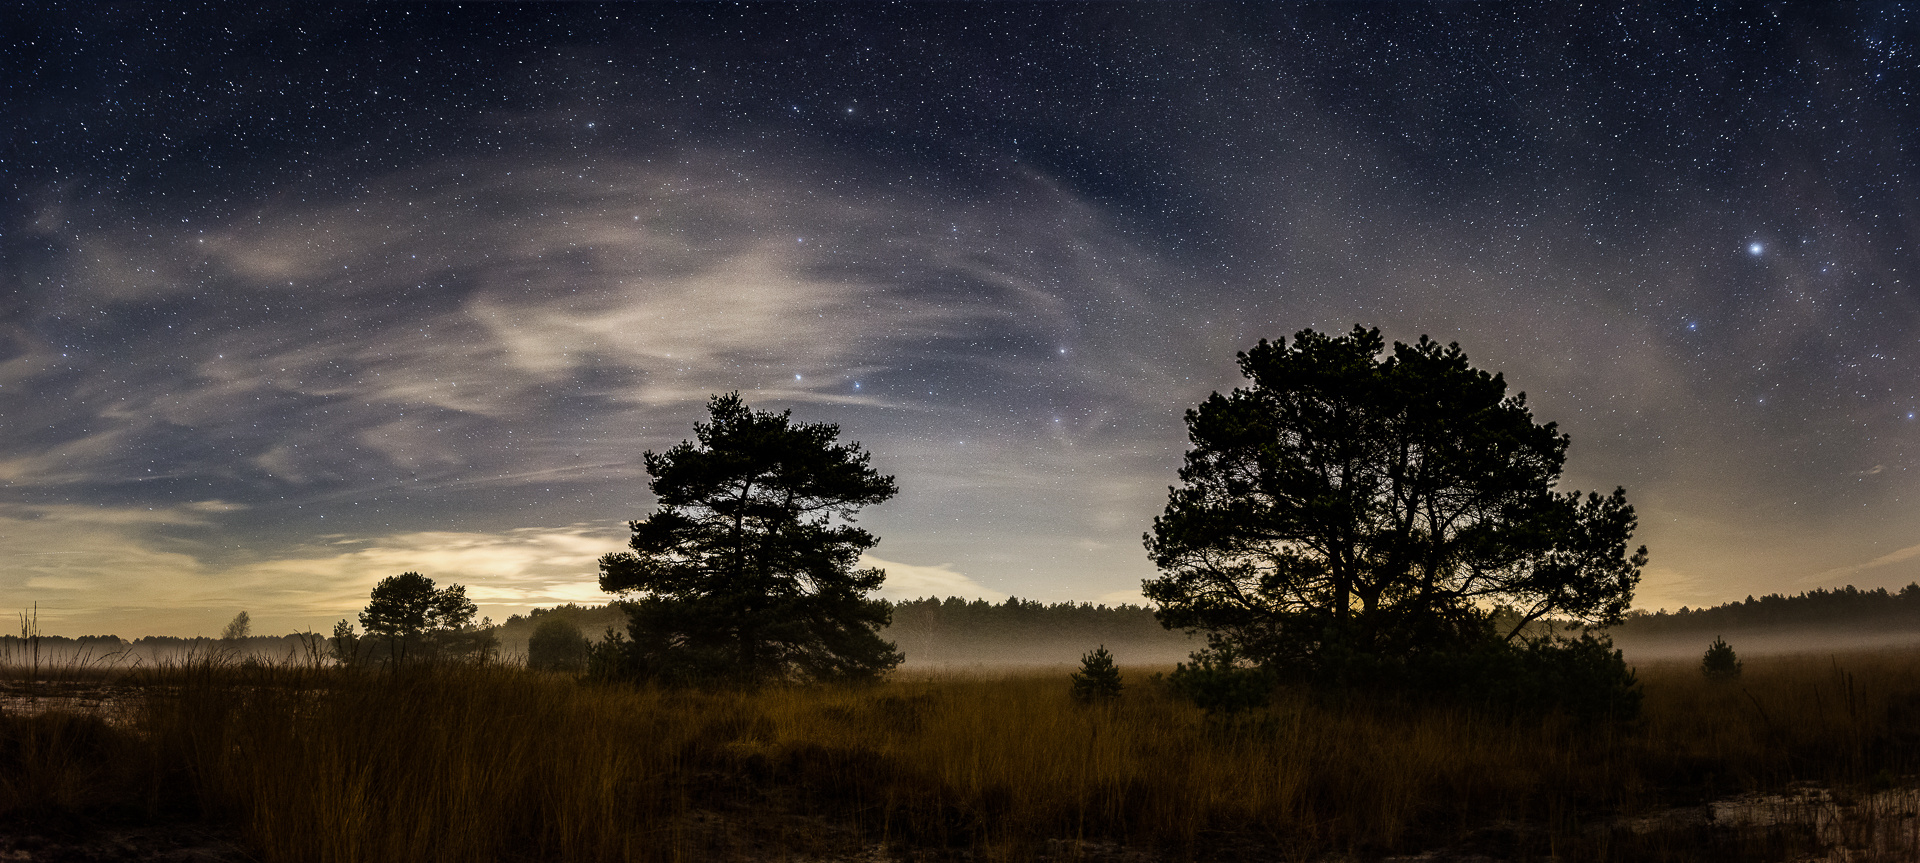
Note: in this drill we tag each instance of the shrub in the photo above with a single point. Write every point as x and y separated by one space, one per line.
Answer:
1583 677
1217 682
557 645
611 658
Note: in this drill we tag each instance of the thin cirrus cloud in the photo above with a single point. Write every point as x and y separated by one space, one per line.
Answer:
329 577
1841 573
145 571
525 566
916 581
91 568
473 328
479 297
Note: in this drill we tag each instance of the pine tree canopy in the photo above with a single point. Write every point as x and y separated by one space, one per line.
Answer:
748 569
1353 500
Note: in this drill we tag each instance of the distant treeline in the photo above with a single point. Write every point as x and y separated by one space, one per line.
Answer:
1820 608
1023 630
158 642
952 617
955 629
15 649
956 619
951 629
593 618
97 642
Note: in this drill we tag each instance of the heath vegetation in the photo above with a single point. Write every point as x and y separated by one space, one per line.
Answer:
477 761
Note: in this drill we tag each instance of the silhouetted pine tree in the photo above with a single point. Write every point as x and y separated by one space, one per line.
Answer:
749 570
1098 678
1720 663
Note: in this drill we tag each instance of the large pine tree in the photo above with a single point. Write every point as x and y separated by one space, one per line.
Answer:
747 571
1356 501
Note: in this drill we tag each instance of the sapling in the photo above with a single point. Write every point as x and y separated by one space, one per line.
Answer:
1720 663
1098 678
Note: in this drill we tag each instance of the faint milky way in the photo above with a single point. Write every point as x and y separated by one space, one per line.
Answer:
296 301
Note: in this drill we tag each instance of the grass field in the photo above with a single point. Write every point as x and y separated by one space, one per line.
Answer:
1803 757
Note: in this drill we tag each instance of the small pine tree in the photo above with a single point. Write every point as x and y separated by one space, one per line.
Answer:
1720 663
1098 678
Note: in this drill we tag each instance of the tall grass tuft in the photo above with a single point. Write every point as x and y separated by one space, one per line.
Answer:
423 763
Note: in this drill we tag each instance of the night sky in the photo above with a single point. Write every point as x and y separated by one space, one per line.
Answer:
295 301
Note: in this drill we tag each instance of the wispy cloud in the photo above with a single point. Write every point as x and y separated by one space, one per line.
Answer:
438 310
134 569
1833 576
510 569
914 581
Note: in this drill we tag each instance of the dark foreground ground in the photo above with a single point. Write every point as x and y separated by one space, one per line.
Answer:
162 843
1806 758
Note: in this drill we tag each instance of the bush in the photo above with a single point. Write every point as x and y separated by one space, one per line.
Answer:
649 650
1584 677
607 658
1218 682
1098 679
557 645
1720 663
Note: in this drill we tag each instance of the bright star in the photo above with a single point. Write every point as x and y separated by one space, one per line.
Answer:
1755 248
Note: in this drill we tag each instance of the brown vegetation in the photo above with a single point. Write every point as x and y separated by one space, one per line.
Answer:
471 763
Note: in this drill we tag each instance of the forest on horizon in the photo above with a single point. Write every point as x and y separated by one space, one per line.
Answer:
939 628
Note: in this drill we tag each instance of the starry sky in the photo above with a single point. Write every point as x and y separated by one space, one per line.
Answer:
297 300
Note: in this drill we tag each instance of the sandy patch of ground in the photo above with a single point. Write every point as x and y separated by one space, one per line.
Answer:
176 843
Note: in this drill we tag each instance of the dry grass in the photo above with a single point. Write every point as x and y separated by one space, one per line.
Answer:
465 763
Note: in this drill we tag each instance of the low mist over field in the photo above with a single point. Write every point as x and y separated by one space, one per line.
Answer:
959 634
